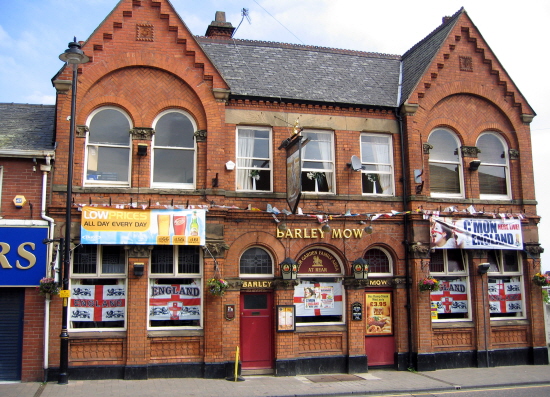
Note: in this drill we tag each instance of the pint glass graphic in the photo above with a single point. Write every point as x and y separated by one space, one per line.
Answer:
163 225
180 223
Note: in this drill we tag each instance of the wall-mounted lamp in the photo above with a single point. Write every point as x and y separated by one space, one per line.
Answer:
138 269
326 228
289 269
230 166
360 269
142 149
483 268
282 226
474 165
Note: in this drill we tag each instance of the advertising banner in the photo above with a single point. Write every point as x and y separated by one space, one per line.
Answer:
149 227
175 302
319 299
23 255
452 297
98 303
379 318
504 296
448 233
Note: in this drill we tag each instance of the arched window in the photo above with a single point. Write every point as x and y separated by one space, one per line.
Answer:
256 262
493 172
380 262
445 164
108 148
174 150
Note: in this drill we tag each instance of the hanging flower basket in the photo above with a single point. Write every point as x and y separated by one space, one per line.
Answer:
428 284
217 286
542 280
48 286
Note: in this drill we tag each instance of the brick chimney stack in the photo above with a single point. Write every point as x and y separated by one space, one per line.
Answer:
220 28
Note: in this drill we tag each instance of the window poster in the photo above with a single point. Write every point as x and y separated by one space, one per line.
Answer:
379 313
98 303
318 299
175 302
504 296
452 296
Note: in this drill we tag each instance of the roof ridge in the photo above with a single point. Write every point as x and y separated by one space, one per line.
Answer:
446 21
303 47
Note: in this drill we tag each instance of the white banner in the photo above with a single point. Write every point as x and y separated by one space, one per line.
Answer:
448 233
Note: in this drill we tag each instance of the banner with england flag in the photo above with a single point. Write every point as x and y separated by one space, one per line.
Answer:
98 303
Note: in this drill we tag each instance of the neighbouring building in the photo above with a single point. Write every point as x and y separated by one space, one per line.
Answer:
228 194
26 155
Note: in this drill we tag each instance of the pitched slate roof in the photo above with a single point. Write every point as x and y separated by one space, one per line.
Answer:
26 127
303 73
420 56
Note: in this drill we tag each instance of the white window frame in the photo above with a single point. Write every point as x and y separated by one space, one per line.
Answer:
390 262
448 275
238 168
176 275
93 182
457 163
169 185
257 275
98 275
501 273
506 167
331 161
389 142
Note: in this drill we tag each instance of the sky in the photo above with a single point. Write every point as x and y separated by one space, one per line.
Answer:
34 32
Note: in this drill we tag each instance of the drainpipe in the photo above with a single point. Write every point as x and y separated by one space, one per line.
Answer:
45 168
406 240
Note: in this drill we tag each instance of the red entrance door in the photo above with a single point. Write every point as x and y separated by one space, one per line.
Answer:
256 330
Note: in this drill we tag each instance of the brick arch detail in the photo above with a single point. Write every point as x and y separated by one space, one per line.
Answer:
510 139
441 122
174 104
109 100
440 92
251 239
177 67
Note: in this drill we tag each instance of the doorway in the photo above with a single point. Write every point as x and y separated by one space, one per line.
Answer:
257 330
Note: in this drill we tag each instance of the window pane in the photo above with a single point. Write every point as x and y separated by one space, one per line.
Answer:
255 301
492 180
445 147
444 178
85 259
318 302
375 149
454 261
188 259
253 159
112 259
256 261
493 261
174 166
437 265
174 129
109 126
510 260
108 163
492 150
452 298
378 261
162 259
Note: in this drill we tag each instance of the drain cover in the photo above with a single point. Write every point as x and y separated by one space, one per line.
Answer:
333 378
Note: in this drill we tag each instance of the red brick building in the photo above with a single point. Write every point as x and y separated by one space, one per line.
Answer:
210 158
26 155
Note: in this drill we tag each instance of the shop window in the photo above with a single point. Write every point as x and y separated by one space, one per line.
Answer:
98 288
256 262
319 295
254 159
452 301
493 172
505 284
445 165
174 151
318 163
175 287
380 263
108 148
377 164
